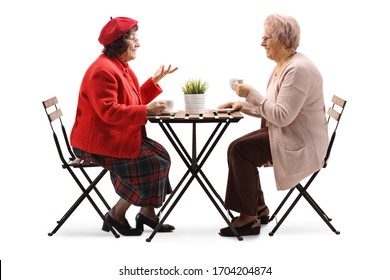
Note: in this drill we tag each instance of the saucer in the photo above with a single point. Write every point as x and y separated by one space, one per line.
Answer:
171 112
225 110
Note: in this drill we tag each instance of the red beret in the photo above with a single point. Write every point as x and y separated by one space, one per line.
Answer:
115 28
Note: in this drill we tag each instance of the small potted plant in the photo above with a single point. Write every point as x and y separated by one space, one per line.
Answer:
194 95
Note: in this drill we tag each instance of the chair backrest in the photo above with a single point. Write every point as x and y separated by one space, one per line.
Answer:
334 114
54 115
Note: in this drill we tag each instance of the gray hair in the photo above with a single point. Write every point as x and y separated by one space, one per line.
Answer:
285 29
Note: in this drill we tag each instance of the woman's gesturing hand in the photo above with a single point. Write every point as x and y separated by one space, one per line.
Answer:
161 73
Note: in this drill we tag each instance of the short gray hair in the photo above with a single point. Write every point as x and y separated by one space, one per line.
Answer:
284 28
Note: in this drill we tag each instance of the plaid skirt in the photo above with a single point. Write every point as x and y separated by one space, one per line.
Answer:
142 181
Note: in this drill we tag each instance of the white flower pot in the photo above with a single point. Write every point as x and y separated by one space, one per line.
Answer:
194 103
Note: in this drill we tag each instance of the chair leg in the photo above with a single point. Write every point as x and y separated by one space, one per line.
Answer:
281 204
311 201
95 189
80 199
319 211
279 223
302 192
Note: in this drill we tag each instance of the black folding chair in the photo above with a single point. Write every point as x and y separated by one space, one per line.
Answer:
54 115
334 113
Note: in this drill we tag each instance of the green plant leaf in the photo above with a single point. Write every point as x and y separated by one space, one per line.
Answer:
194 86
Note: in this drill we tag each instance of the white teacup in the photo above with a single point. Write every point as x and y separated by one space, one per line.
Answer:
170 104
232 81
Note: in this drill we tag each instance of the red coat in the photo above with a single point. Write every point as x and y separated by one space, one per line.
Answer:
111 110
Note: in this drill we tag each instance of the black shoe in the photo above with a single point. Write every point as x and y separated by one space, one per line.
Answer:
242 230
124 229
141 220
264 219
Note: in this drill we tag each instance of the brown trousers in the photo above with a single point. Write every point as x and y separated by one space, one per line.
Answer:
245 155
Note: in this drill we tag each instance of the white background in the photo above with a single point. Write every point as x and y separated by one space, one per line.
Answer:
46 47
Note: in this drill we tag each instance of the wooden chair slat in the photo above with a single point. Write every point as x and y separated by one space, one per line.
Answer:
334 114
50 102
55 115
339 101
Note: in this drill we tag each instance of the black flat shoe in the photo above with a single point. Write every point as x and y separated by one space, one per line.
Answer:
242 230
141 220
264 219
125 229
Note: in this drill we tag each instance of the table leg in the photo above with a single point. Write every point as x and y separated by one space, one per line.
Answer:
192 164
198 158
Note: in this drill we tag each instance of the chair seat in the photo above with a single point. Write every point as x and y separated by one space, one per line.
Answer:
77 163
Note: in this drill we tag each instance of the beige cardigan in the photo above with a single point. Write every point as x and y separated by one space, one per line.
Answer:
295 112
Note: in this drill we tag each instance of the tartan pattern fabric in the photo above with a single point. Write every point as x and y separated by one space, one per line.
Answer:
142 181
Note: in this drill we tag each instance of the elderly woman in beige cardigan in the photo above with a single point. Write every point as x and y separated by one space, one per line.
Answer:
293 134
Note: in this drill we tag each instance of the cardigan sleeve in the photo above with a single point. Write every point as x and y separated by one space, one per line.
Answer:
289 100
249 109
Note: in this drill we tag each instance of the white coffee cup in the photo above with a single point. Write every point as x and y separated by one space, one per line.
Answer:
232 81
170 104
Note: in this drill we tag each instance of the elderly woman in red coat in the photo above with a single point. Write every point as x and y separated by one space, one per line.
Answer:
109 128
